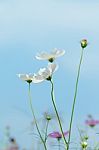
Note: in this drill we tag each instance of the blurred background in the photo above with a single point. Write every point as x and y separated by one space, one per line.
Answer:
28 27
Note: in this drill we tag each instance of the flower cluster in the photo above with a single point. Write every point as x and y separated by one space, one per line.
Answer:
44 73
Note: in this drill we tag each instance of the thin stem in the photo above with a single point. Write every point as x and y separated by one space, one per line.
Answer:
80 134
55 108
30 100
59 144
47 123
74 101
83 148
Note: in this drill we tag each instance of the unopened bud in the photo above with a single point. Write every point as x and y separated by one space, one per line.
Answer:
84 144
84 43
48 117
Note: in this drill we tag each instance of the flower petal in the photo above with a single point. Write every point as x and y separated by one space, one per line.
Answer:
58 52
50 56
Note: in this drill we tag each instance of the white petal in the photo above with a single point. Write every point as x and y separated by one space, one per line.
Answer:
52 67
37 78
57 52
43 56
22 76
25 77
41 70
54 54
44 73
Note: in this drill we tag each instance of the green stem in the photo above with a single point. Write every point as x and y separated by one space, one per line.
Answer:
30 101
46 130
55 108
74 101
59 144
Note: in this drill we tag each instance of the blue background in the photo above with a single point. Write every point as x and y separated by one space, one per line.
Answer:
28 27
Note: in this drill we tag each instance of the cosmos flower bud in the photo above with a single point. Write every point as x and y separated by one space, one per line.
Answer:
48 117
84 43
86 137
84 144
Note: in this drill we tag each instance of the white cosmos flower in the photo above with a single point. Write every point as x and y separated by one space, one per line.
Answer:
30 78
50 56
45 73
26 77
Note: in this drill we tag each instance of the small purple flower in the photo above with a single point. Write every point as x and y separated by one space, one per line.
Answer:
92 122
57 135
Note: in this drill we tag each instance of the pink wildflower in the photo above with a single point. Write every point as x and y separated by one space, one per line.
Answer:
92 122
57 135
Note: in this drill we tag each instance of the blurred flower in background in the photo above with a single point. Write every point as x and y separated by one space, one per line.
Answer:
91 121
12 145
57 135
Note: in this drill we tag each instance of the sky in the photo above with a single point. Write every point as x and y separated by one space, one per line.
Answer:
28 27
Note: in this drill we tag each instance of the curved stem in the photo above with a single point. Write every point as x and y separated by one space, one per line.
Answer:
74 101
55 108
30 101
